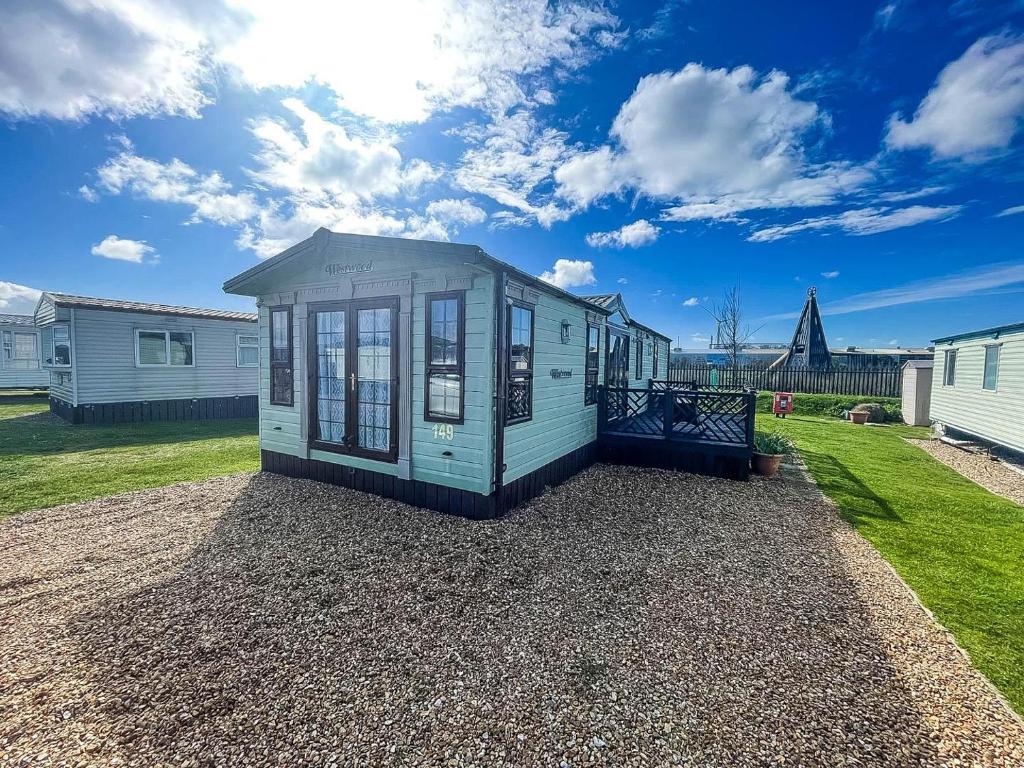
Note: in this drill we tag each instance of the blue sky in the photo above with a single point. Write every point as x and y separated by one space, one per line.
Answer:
667 150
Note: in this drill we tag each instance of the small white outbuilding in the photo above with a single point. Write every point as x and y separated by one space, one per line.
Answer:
917 392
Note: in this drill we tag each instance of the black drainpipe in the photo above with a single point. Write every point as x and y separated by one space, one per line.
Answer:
501 363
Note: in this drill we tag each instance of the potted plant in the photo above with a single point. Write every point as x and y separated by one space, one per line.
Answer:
769 448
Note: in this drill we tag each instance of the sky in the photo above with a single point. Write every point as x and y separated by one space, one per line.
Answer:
668 150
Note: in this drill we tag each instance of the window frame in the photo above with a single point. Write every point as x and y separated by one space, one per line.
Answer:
432 369
279 364
53 346
167 348
239 345
639 370
947 379
654 361
511 374
590 393
984 367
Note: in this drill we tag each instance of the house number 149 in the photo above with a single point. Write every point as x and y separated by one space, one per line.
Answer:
444 432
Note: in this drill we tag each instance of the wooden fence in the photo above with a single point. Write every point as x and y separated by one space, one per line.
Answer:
838 381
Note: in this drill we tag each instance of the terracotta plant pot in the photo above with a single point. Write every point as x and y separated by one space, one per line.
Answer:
859 417
767 464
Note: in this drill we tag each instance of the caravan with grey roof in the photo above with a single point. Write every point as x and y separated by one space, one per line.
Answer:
111 361
432 372
20 361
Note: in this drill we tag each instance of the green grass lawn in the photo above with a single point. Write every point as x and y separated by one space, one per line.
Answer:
45 462
959 547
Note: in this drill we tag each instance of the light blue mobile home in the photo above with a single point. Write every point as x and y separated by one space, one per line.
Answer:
432 372
112 361
20 362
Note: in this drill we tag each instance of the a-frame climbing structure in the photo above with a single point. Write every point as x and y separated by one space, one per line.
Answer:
808 349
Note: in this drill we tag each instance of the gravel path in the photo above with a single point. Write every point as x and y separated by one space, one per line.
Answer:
977 466
628 618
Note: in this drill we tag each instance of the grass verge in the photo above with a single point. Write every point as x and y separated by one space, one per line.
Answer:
45 462
957 545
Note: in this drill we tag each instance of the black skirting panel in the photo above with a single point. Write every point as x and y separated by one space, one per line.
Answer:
455 501
440 498
727 462
529 486
190 409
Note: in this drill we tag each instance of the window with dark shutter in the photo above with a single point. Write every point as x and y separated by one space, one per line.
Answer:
444 357
654 360
639 359
519 395
590 380
281 371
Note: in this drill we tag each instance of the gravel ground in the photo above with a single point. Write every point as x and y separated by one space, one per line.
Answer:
977 466
627 618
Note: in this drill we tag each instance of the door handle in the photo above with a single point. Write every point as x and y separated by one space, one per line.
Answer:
352 382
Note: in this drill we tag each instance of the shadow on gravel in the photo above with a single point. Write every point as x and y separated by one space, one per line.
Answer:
634 614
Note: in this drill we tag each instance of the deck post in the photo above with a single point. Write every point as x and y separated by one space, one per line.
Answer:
751 409
668 407
602 409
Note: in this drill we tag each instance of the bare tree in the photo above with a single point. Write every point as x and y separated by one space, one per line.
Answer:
731 332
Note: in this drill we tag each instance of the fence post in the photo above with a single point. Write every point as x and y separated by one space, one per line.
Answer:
602 409
751 410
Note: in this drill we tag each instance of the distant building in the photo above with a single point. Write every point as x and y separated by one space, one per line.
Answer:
878 357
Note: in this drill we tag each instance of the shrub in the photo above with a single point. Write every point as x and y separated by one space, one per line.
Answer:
772 443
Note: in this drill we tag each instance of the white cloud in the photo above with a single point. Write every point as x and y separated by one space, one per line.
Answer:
113 247
693 301
325 162
717 142
209 196
456 212
862 221
1012 211
883 16
831 275
70 59
570 273
633 235
623 281
88 194
509 160
435 54
968 283
975 107
18 299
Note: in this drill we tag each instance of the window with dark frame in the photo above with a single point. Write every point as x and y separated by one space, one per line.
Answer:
639 358
444 358
282 390
61 346
519 392
654 360
590 375
949 372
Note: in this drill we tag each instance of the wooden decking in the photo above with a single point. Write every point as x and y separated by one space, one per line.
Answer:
706 431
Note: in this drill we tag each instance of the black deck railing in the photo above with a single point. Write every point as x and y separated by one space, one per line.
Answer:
666 411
